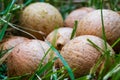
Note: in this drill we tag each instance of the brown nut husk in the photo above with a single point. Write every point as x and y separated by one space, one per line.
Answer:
12 41
41 17
9 44
81 55
60 37
77 14
26 57
91 25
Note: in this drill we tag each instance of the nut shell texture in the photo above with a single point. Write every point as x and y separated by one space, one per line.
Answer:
41 17
81 55
60 37
91 25
77 14
25 57
13 41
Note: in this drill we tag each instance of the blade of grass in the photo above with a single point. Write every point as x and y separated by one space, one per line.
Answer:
115 43
103 27
21 5
43 69
29 29
10 24
8 9
116 76
5 3
2 32
99 61
4 54
38 77
61 77
106 55
49 74
94 45
40 65
55 37
111 4
83 78
74 30
90 3
42 0
17 7
27 3
95 67
113 71
63 61
18 77
117 8
54 76
3 70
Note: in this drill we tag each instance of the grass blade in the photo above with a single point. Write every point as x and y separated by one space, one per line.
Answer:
54 76
44 68
103 27
113 71
8 9
63 61
74 30
55 37
40 65
41 70
2 32
42 0
83 78
94 45
115 43
18 77
27 2
49 73
10 24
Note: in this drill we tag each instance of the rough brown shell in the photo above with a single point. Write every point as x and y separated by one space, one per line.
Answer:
81 55
41 17
77 14
9 44
13 41
91 25
25 57
60 37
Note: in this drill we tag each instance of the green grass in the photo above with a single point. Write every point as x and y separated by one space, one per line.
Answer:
45 72
74 30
